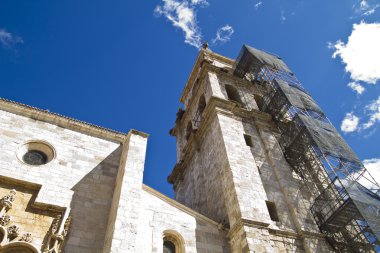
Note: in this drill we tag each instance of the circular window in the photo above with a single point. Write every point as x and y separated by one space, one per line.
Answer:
36 153
34 157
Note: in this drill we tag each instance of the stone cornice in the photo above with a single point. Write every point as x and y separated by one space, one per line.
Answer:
244 222
272 230
65 122
36 188
204 54
214 106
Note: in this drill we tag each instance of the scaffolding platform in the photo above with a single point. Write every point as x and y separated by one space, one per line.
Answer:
346 204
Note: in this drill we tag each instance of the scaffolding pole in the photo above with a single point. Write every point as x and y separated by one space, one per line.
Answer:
346 203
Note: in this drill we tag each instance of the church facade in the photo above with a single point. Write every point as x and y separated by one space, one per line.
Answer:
69 186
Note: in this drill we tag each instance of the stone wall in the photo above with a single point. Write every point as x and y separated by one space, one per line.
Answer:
160 215
81 177
201 187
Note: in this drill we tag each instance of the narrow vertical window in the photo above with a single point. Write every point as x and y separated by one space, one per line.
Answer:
198 114
248 140
201 104
272 211
189 129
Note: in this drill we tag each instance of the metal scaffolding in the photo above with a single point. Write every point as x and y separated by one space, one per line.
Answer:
346 197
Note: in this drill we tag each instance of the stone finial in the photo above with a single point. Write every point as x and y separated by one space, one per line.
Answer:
205 45
7 201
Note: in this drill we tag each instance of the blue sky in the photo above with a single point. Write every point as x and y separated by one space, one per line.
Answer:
123 64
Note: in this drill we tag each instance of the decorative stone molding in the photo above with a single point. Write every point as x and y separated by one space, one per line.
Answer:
176 239
19 246
9 235
36 145
57 234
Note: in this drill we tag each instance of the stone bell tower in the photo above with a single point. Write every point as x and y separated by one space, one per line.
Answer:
231 168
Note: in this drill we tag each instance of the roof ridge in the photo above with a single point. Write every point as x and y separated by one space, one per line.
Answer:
49 113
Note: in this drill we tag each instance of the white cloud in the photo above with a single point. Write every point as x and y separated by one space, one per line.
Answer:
350 123
223 34
283 18
373 167
361 53
363 5
258 4
182 14
200 2
374 113
357 87
366 7
8 40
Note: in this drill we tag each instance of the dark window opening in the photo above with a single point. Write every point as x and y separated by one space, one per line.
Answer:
233 94
35 157
169 247
259 101
248 140
272 211
201 105
189 129
198 115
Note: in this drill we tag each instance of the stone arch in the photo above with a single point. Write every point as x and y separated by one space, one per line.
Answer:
201 105
175 239
189 129
3 235
18 247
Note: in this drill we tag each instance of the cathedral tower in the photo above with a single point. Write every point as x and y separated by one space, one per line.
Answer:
232 166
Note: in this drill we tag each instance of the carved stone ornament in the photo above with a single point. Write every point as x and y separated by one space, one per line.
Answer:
57 235
66 227
27 237
7 201
4 220
55 224
13 232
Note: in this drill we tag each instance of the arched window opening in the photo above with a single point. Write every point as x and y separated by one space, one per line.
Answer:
233 94
169 247
198 115
201 104
189 129
173 242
